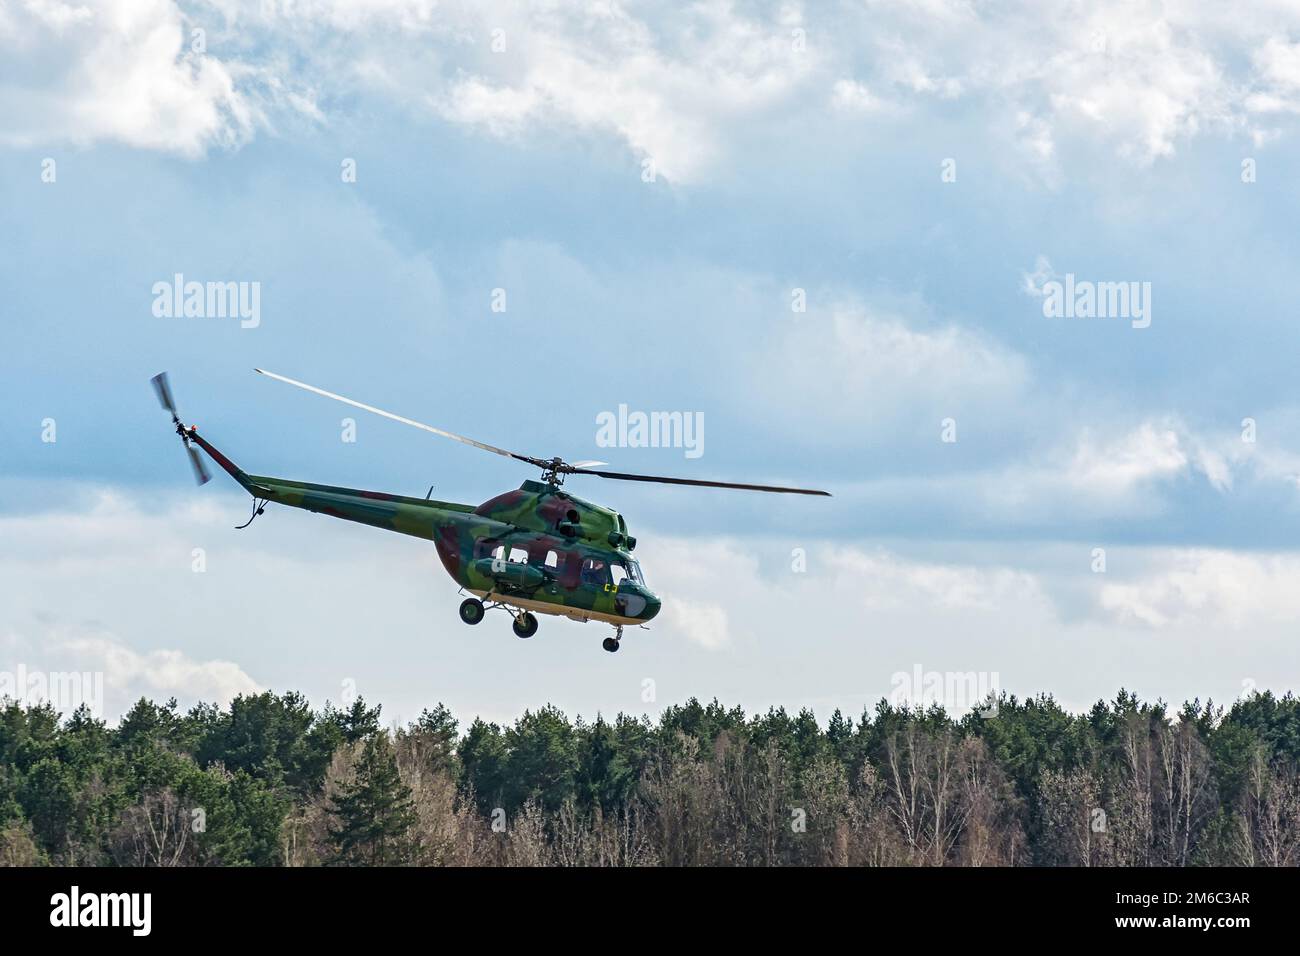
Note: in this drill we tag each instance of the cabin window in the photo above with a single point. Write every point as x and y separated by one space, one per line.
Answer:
595 572
488 548
518 556
552 561
619 573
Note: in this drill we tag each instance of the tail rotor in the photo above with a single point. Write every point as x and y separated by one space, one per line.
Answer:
162 388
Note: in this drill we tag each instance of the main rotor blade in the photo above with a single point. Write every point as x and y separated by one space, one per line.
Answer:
200 473
164 392
403 420
699 482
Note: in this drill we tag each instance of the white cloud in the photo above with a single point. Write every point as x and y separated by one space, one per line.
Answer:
882 580
126 673
120 70
1144 82
688 575
1032 283
682 87
1166 448
901 65
1139 471
1112 471
1211 588
1277 64
872 363
703 623
1136 77
158 673
1035 134
852 96
666 89
1147 453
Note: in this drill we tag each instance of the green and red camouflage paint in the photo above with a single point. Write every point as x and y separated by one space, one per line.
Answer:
537 547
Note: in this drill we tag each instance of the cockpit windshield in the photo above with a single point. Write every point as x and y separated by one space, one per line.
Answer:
634 571
626 569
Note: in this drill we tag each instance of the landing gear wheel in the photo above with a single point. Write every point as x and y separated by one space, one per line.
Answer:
471 610
610 644
525 625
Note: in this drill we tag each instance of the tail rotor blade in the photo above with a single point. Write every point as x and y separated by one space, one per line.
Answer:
164 391
201 475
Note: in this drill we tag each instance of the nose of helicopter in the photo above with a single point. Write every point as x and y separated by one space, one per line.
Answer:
636 601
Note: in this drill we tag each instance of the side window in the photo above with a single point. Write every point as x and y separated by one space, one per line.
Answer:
595 572
488 548
619 572
518 556
552 561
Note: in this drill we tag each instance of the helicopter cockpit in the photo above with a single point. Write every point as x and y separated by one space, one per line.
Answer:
598 572
623 568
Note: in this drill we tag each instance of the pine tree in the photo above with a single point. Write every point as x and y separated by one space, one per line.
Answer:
357 722
375 811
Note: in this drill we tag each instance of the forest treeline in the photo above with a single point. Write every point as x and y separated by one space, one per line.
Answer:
268 781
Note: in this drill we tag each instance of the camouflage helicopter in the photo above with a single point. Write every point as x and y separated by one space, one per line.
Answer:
535 550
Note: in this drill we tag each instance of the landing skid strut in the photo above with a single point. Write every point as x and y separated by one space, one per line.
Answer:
472 611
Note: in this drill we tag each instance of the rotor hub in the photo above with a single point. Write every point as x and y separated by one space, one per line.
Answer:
553 471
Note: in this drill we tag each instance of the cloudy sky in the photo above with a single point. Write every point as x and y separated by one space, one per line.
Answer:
830 229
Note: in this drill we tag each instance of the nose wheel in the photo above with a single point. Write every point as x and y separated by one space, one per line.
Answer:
611 643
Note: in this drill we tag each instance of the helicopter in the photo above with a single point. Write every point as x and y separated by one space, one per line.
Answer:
536 549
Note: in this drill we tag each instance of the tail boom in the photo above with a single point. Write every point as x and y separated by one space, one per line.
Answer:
419 517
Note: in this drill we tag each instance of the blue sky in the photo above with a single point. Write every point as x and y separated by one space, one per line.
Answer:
794 147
